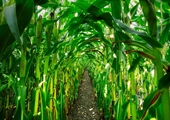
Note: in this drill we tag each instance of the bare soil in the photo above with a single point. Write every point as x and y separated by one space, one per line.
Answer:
85 106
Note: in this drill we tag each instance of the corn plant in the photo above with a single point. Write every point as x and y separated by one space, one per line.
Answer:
112 16
46 44
41 81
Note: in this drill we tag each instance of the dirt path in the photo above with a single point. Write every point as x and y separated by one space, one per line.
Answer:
85 107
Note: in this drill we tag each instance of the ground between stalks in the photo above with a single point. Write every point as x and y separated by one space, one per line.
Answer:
85 106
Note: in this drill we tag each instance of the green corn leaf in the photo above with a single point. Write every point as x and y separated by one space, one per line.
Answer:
20 108
24 11
30 116
123 110
86 43
151 41
143 54
70 11
6 38
59 62
165 33
143 45
134 10
152 101
53 48
40 2
74 43
17 114
61 94
73 59
82 4
39 29
100 3
94 10
29 64
11 18
3 87
98 28
115 65
126 6
59 46
122 36
22 93
165 1
164 82
91 56
150 15
95 50
0 3
99 15
107 19
124 87
128 29
43 105
53 5
48 22
143 35
73 28
149 55
116 9
168 55
134 64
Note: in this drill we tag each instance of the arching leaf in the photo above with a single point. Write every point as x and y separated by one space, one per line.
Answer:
165 34
141 53
134 10
164 82
151 101
11 18
47 4
98 28
150 15
134 64
100 3
24 10
143 35
82 4
94 10
165 1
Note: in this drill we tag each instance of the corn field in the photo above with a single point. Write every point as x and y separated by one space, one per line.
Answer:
45 45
